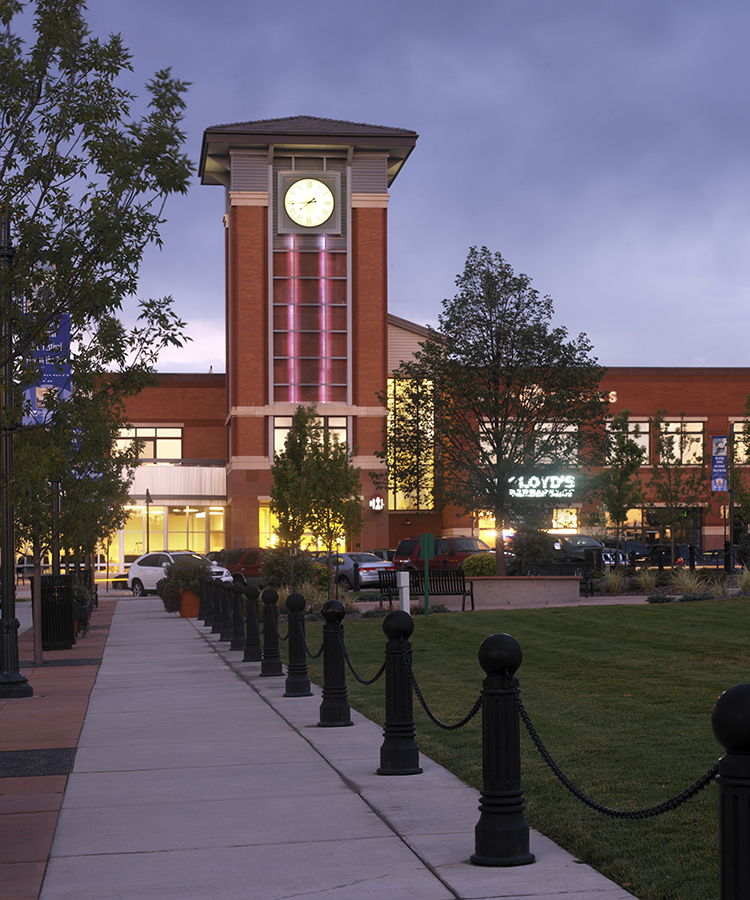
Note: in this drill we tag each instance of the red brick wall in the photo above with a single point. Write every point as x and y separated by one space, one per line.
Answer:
196 401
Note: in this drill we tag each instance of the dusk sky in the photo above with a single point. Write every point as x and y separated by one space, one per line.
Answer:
601 146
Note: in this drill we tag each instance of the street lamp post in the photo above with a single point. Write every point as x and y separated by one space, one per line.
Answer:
12 683
149 501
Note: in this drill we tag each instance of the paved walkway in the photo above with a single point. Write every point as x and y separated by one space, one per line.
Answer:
195 777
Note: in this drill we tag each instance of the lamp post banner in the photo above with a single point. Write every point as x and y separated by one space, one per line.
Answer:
719 477
54 362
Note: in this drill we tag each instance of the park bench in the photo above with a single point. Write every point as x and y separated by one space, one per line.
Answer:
583 570
442 583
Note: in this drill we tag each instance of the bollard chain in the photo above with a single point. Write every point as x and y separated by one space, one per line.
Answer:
467 718
647 813
279 635
308 651
351 667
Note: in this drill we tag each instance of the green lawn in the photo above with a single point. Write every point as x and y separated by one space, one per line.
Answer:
622 697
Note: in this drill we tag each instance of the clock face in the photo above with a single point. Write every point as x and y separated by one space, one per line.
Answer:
308 202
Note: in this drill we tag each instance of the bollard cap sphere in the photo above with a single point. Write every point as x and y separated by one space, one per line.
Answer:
295 602
238 587
252 592
398 624
500 652
269 596
333 611
730 719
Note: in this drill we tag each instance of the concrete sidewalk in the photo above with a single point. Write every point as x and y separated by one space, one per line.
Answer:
195 777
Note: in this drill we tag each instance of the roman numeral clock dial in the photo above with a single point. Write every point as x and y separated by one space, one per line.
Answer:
308 202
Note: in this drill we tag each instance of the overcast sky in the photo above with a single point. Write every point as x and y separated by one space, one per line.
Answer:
601 146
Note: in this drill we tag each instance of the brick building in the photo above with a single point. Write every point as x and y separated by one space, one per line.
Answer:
307 321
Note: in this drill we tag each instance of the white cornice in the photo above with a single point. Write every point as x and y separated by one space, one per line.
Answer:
248 198
370 201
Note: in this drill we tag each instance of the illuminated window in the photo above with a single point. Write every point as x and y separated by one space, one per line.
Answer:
682 442
639 433
741 442
335 426
411 444
310 356
556 443
565 519
157 443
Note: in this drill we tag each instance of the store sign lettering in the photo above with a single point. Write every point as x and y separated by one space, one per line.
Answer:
543 486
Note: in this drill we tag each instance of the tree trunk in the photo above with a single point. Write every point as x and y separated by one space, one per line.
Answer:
36 601
499 542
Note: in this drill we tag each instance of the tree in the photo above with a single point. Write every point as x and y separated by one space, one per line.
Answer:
336 509
514 398
315 487
618 484
678 474
82 192
291 488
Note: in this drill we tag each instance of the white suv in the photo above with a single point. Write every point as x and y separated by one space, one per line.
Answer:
149 568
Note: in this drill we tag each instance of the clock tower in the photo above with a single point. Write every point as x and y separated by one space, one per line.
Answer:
306 296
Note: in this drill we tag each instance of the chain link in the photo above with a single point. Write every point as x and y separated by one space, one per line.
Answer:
308 651
430 715
351 667
647 813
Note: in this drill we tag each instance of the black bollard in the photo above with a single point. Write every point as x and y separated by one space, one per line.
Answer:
226 613
238 620
399 754
208 621
252 637
218 621
271 663
297 682
202 591
730 721
334 709
501 836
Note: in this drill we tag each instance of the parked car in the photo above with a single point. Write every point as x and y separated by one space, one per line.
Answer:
243 565
628 547
384 554
450 552
149 568
369 566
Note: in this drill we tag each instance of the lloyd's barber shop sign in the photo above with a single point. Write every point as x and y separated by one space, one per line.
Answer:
543 486
53 360
719 475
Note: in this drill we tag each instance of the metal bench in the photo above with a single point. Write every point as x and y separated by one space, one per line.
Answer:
582 570
442 583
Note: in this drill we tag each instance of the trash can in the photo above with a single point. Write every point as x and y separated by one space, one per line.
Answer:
58 630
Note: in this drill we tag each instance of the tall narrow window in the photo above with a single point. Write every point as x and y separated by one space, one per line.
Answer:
309 322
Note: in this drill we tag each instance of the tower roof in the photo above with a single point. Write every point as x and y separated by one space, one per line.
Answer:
310 131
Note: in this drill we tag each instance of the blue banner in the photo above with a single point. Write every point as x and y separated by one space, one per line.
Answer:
54 361
719 474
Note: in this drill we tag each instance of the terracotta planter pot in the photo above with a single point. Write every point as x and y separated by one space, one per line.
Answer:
189 603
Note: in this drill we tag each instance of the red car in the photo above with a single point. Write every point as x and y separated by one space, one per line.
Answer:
244 565
450 552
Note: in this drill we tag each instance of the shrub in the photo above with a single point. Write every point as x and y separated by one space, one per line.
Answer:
696 595
530 548
83 606
686 582
718 586
479 564
743 581
646 580
276 569
614 582
184 573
